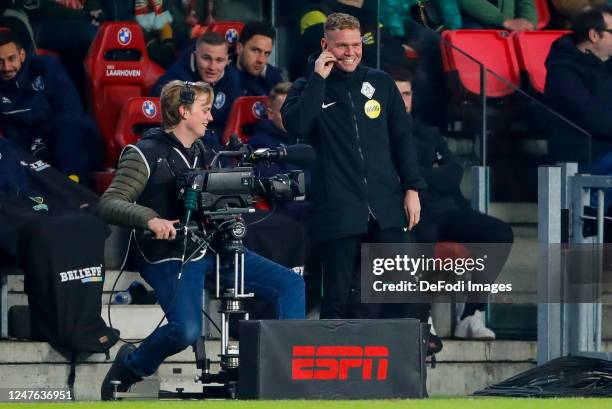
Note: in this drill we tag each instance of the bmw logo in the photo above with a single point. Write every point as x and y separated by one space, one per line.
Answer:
259 110
149 109
231 35
124 36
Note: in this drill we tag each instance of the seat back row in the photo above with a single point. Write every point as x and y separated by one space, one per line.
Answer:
504 54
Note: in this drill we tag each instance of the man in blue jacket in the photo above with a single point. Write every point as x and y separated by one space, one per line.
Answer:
207 61
271 133
13 177
253 50
40 110
579 87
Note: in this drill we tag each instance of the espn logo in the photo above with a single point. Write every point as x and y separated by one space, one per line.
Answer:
327 363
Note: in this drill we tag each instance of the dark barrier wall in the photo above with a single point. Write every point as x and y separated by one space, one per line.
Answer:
332 359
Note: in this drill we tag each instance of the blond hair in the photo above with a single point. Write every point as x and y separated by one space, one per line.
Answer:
170 100
341 21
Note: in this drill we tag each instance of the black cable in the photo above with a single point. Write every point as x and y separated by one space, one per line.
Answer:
110 298
570 376
266 217
208 317
174 292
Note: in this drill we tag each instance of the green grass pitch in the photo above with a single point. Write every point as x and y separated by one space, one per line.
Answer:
435 403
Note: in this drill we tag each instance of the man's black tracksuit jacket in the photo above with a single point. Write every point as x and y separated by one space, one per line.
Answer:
366 159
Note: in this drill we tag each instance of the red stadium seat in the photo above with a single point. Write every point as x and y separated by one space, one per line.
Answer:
118 67
138 114
230 30
543 10
451 250
245 111
532 48
493 48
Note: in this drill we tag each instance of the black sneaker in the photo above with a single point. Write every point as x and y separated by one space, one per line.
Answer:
119 371
434 345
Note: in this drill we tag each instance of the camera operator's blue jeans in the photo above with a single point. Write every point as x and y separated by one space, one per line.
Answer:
181 300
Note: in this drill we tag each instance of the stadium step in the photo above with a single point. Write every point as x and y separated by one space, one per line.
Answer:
462 367
135 322
36 365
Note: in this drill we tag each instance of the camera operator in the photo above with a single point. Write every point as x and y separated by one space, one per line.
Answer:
143 195
366 176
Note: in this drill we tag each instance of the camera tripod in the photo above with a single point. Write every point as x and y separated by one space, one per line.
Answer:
226 232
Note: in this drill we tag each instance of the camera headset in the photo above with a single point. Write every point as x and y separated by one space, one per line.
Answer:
188 94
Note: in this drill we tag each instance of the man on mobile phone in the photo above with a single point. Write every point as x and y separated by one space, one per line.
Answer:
366 178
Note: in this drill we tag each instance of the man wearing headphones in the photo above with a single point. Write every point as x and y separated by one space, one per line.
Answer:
143 196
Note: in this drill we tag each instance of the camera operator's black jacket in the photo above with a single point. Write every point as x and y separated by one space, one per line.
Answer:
365 163
145 187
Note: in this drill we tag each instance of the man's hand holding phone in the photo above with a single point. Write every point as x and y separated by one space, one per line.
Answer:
324 64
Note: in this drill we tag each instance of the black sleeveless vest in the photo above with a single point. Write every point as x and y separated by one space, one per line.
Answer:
167 160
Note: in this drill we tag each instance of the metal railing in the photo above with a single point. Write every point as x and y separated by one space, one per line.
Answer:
568 327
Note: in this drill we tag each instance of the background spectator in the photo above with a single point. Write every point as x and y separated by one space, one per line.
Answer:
40 110
579 87
67 27
447 215
512 15
311 31
431 95
395 14
15 19
155 20
253 50
207 61
271 133
566 10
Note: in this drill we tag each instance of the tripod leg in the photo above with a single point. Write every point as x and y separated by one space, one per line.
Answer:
199 348
236 272
224 332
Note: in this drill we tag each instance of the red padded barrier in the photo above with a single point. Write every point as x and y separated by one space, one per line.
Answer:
245 111
532 48
118 67
494 49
